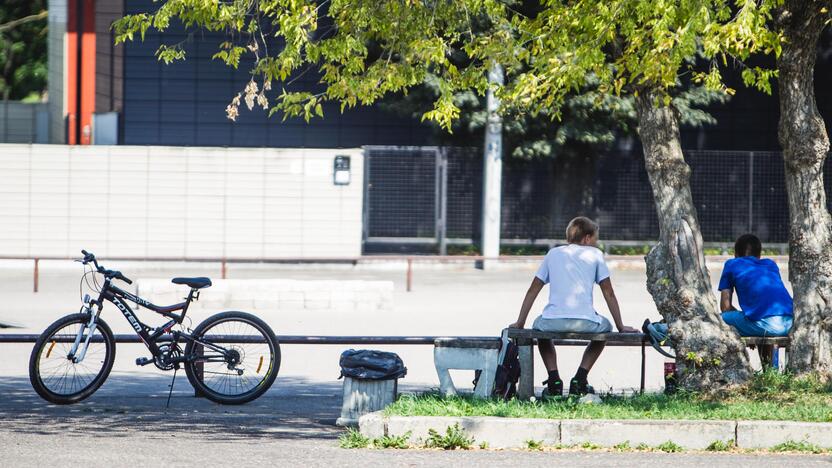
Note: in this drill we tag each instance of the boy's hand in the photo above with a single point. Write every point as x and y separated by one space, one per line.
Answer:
626 329
516 325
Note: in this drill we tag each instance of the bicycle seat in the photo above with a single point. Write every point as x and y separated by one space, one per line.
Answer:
196 283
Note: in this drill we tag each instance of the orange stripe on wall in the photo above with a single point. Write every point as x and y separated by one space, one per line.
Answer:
87 70
71 69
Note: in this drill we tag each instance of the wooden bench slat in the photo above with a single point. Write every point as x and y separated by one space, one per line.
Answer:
460 342
525 333
767 340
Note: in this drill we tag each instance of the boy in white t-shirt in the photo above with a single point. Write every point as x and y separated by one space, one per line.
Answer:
571 271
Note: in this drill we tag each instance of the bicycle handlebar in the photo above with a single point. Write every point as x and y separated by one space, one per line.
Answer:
90 258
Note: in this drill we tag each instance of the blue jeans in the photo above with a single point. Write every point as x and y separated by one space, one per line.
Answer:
570 325
777 325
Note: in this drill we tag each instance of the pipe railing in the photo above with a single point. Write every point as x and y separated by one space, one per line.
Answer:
224 261
409 260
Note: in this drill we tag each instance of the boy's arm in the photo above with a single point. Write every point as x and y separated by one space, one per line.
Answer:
528 301
725 300
612 303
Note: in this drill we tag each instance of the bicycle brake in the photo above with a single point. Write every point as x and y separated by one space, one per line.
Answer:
143 361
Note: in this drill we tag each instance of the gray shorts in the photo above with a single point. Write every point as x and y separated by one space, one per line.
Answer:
570 325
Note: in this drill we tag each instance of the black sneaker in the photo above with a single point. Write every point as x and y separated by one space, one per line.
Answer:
576 387
552 390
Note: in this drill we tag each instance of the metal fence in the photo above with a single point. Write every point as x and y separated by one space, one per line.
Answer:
23 122
434 195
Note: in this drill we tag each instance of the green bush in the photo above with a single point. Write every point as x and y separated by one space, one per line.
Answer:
534 444
626 249
523 249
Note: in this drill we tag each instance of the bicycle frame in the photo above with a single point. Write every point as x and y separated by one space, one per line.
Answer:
149 336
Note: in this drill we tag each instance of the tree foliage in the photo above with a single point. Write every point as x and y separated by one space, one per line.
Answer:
23 52
591 121
553 52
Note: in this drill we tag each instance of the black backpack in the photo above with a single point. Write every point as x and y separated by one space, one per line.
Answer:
508 371
369 364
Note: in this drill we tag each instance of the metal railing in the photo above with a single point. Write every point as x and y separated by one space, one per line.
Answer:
409 260
223 261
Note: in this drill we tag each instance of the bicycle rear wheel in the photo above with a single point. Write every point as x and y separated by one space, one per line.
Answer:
55 375
245 369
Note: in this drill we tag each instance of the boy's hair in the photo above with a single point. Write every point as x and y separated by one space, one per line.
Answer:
580 227
748 245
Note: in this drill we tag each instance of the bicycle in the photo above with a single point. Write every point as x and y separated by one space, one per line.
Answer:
230 358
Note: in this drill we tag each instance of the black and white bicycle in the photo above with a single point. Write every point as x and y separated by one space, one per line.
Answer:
231 357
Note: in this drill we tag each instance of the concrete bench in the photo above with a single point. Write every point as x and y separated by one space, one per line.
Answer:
527 338
466 353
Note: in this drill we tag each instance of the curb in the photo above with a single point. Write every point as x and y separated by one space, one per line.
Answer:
517 432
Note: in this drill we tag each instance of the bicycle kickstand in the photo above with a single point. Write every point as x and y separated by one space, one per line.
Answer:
170 392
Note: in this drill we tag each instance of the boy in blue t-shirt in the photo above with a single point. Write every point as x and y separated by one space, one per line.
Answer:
765 302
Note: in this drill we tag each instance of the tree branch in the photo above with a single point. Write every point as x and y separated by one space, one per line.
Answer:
26 19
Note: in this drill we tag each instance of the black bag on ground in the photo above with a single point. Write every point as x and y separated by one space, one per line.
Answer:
371 365
508 371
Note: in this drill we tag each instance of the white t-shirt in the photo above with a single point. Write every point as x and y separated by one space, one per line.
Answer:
571 271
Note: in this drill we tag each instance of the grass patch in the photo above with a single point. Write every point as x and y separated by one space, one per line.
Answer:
802 446
769 396
394 442
534 444
623 446
670 447
453 439
353 439
721 446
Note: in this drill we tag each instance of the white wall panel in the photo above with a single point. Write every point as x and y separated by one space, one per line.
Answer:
177 202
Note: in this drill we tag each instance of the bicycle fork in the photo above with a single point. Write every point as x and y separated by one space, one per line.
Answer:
91 326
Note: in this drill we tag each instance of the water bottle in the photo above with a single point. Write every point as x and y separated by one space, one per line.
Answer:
670 378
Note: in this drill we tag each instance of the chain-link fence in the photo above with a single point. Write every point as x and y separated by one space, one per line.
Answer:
428 194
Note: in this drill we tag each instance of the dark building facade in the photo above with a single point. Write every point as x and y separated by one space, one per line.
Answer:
183 103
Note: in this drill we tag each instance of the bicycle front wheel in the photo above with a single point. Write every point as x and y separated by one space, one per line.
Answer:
61 378
233 359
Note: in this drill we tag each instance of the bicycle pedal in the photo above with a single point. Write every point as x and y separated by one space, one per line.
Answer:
143 361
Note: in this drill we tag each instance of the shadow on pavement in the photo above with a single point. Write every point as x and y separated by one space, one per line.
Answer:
294 408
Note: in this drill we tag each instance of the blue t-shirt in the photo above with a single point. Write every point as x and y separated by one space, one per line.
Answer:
760 291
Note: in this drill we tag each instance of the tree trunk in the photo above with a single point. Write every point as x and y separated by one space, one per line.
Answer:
710 355
802 135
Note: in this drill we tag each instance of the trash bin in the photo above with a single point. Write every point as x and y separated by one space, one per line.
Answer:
370 382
